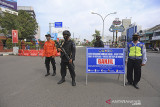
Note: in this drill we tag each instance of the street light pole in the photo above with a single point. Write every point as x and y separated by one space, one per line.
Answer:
103 19
50 25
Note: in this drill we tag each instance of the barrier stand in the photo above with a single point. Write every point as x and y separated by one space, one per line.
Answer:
118 78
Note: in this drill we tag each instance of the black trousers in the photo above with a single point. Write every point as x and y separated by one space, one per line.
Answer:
134 65
70 67
47 63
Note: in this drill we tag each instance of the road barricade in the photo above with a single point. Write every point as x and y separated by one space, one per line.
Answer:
34 52
20 52
26 53
40 52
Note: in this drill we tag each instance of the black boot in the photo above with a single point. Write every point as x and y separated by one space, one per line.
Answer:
73 82
128 83
61 81
136 86
54 73
47 74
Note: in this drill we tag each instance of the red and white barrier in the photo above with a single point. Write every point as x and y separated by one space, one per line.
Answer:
22 52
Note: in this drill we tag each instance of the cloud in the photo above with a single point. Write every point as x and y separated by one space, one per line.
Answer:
76 14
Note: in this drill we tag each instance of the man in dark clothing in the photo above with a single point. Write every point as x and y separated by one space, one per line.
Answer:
136 55
70 48
98 42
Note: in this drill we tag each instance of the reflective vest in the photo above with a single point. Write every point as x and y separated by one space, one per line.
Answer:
135 51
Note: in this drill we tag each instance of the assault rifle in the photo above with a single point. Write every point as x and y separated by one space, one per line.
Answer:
65 54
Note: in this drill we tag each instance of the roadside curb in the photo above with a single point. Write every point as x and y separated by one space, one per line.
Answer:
6 54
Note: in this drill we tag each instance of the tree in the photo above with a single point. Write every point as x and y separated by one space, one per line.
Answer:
24 23
97 33
7 22
27 25
9 43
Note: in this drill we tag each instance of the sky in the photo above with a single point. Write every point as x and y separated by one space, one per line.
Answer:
76 14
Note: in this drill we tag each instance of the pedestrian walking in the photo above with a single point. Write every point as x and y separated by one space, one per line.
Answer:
136 55
68 51
49 53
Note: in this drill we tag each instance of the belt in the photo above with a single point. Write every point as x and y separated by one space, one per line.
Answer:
134 58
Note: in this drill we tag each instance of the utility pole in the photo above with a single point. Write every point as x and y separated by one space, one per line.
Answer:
50 26
103 19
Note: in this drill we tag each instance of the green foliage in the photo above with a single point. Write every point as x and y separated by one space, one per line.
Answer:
24 23
27 25
9 43
19 44
29 43
33 47
97 33
4 31
42 42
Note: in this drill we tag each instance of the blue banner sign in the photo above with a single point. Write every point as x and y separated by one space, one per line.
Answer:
105 60
58 24
11 4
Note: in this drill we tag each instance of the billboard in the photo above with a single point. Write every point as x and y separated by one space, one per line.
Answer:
105 60
8 11
114 28
116 21
11 4
14 36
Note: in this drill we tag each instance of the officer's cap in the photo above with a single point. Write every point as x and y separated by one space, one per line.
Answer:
135 35
66 32
48 35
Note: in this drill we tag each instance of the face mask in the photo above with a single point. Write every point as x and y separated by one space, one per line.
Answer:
97 38
47 38
66 38
135 38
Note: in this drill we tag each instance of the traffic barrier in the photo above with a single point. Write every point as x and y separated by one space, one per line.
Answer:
22 52
40 52
33 52
26 53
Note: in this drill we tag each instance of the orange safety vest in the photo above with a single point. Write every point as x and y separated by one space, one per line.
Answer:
49 49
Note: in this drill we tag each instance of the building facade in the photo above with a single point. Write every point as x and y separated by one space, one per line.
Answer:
132 29
28 9
151 37
125 23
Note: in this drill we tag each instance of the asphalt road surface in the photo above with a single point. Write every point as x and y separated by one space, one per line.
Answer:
23 84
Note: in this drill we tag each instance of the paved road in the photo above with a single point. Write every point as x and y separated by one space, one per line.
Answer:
151 72
23 84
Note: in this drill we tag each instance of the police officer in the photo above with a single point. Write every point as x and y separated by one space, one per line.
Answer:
69 46
49 52
98 42
136 53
